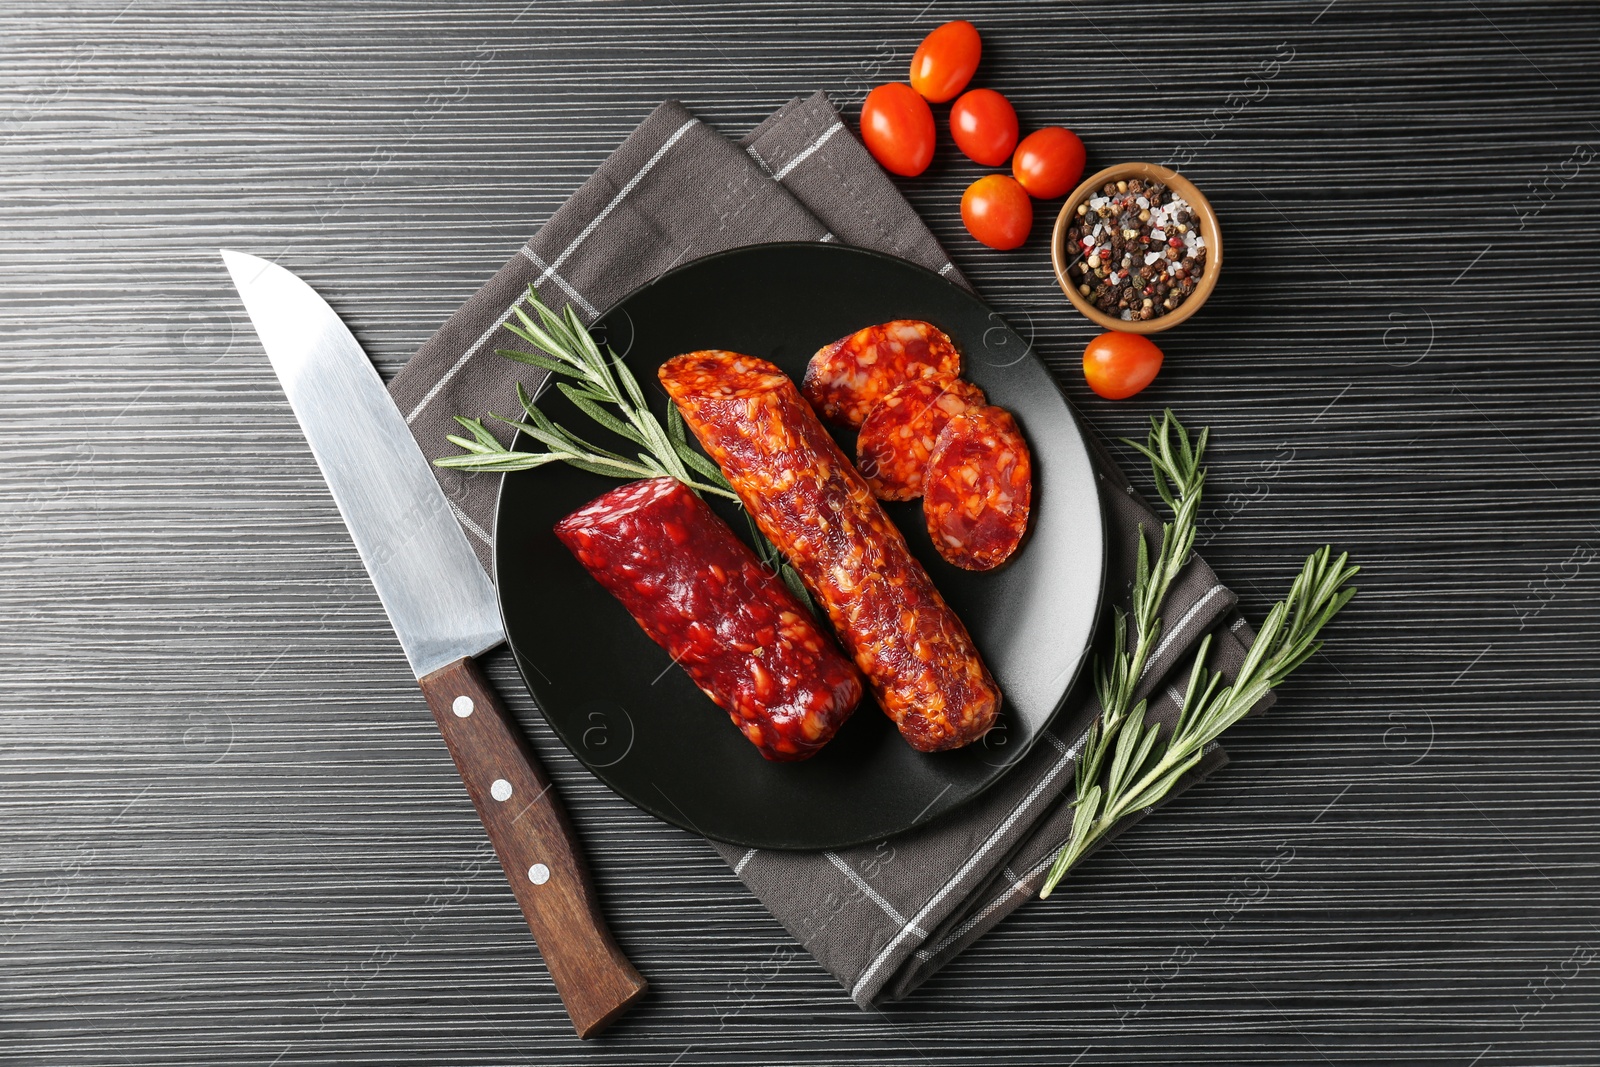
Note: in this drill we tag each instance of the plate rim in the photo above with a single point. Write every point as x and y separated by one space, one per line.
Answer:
679 819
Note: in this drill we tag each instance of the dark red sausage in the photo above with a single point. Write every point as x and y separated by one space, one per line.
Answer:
900 432
815 507
702 595
846 379
978 489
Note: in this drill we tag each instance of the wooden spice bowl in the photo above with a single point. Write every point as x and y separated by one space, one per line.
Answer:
1061 257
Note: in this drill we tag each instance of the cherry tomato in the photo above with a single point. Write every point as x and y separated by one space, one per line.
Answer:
984 125
997 211
897 128
1049 162
1117 365
945 61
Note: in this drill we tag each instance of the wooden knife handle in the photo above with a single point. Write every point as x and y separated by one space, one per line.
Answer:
536 846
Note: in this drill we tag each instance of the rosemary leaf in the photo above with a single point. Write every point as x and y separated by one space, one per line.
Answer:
535 335
1083 820
701 465
469 444
675 427
480 433
1162 784
1127 738
584 402
497 462
534 359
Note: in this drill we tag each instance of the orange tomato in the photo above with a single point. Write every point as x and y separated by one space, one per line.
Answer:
945 61
984 125
897 128
1117 365
997 211
1049 162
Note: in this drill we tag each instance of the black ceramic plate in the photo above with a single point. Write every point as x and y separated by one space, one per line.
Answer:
642 726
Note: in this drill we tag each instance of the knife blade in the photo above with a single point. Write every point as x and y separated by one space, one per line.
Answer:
444 611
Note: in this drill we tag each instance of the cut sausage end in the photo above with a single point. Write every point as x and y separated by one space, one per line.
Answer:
847 378
900 432
978 489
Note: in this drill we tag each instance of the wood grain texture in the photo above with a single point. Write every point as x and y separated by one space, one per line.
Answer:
228 831
543 861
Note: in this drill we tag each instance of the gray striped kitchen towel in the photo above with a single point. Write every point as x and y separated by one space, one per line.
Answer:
880 917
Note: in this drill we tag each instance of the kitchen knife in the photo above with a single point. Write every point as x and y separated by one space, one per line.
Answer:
444 611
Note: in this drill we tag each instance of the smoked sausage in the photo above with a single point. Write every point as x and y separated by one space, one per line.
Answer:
730 622
918 658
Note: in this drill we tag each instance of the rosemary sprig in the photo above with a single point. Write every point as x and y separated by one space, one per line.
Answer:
1145 763
603 388
600 383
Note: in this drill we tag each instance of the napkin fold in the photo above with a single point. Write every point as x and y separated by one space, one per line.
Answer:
881 917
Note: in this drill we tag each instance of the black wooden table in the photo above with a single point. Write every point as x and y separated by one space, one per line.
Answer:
229 832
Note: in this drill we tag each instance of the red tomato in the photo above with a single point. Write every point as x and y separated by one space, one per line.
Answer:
1049 162
997 211
897 128
1117 365
945 61
984 125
